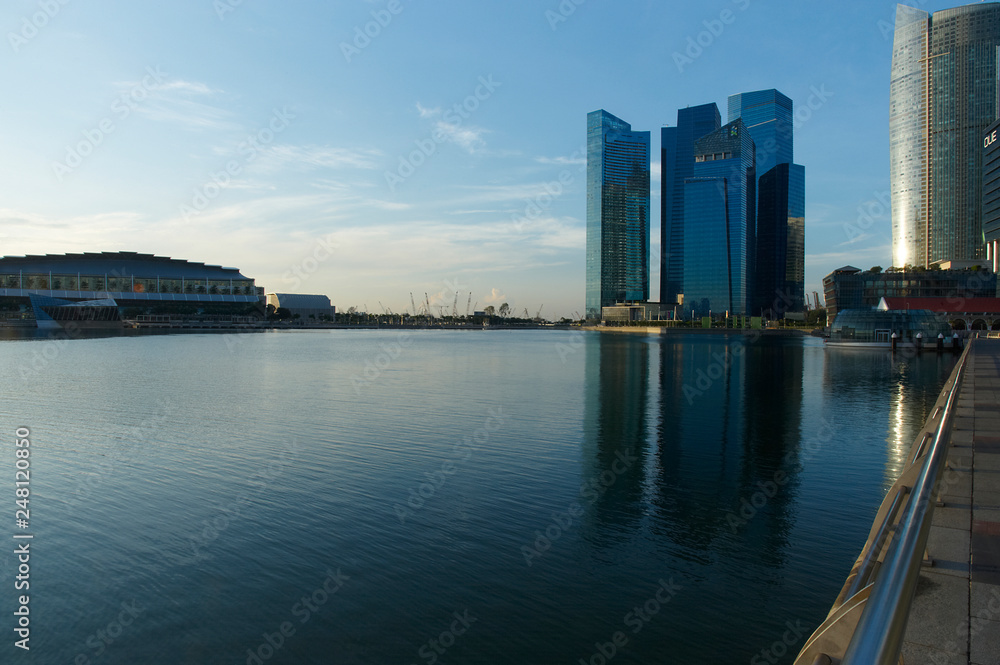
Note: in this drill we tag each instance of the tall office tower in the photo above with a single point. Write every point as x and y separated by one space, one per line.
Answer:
617 213
677 164
777 271
768 116
781 234
942 96
719 210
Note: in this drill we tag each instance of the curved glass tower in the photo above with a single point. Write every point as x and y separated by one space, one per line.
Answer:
942 96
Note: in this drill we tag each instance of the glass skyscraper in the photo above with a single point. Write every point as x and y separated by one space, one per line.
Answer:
942 96
777 269
617 213
676 165
719 212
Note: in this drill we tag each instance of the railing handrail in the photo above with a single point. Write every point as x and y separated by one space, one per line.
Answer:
878 637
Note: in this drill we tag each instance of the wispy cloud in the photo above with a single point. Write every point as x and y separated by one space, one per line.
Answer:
426 112
310 157
467 137
562 161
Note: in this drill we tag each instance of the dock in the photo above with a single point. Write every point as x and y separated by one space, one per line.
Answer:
955 615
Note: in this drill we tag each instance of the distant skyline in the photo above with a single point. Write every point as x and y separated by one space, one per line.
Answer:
367 149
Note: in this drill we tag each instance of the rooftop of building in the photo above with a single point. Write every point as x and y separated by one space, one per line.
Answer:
120 264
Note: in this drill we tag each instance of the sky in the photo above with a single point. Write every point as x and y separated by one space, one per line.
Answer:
367 149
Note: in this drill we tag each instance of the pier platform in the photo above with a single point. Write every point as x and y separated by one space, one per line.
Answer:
955 616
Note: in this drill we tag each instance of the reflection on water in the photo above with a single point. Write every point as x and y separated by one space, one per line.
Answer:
747 471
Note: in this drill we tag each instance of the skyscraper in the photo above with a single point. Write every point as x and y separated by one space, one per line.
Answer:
942 96
677 164
617 213
719 212
780 265
777 270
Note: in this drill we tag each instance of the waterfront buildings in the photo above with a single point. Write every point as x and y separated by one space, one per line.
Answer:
617 213
142 283
779 253
753 260
304 305
852 288
942 96
991 194
676 165
719 207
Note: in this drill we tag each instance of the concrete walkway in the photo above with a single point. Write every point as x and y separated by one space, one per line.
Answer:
955 617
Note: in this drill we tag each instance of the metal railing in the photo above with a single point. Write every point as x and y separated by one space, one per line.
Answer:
867 623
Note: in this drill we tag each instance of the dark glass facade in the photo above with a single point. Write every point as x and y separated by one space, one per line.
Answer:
780 264
676 165
617 213
777 270
719 211
768 116
943 95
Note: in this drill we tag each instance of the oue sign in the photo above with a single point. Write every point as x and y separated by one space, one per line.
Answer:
990 138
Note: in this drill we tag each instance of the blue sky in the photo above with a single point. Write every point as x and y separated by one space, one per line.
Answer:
441 151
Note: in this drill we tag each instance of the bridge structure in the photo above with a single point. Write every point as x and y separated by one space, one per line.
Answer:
925 589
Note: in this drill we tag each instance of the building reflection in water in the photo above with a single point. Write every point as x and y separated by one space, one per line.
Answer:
710 421
911 384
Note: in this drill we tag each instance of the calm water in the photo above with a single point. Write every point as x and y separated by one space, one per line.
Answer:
444 497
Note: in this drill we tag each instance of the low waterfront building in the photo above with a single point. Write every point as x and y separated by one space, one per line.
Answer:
304 305
633 312
875 327
961 313
853 288
138 284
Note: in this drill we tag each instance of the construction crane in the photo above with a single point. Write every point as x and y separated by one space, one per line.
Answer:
427 302
468 302
454 307
384 310
413 304
526 315
538 314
